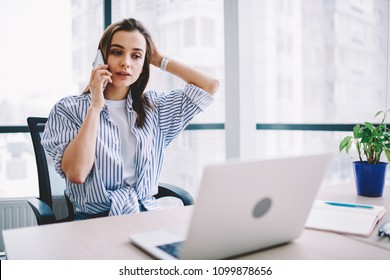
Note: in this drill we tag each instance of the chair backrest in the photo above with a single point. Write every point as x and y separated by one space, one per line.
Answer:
36 127
50 183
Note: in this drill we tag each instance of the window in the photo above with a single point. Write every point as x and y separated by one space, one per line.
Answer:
190 32
320 61
208 32
48 48
323 74
351 52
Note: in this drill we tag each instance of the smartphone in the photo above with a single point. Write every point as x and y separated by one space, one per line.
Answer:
98 59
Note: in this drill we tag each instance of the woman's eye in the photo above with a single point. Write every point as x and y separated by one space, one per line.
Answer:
137 56
115 52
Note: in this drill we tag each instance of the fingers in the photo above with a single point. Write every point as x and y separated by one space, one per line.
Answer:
100 75
103 75
155 57
100 71
94 70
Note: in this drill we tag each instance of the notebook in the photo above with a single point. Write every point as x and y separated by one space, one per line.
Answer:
357 219
242 207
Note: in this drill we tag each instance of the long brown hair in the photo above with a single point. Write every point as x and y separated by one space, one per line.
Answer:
138 87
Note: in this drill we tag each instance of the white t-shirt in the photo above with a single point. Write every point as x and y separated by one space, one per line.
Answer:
119 116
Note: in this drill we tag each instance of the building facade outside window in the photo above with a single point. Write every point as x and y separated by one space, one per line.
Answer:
314 61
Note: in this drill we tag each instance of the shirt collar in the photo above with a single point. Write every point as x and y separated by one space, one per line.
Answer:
129 103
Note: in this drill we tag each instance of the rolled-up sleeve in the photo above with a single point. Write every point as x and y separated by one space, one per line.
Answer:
178 108
198 96
58 133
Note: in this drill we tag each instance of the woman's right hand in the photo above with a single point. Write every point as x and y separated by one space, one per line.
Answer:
100 76
79 155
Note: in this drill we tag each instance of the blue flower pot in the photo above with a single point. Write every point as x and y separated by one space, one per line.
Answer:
370 178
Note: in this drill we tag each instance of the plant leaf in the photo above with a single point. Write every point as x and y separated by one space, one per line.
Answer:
378 113
344 143
357 131
370 126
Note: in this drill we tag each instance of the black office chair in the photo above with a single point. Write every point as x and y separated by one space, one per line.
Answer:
50 183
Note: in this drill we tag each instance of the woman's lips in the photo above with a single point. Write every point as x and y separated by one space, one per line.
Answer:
123 75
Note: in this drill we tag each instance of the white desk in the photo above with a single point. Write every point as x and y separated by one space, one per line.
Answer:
107 238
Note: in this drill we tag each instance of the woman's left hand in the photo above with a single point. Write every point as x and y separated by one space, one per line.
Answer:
155 57
188 74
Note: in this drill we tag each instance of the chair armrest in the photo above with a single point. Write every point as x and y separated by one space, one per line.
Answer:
165 189
42 211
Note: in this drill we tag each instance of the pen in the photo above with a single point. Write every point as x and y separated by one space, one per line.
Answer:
349 205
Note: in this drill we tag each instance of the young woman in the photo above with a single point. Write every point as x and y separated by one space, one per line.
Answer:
108 142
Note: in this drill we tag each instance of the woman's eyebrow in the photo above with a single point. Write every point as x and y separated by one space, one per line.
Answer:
122 47
117 46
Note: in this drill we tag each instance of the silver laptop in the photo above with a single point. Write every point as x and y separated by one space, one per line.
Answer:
242 207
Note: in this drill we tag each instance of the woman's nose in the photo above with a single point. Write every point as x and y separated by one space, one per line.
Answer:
125 62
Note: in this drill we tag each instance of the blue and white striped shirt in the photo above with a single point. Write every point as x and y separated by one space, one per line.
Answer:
103 189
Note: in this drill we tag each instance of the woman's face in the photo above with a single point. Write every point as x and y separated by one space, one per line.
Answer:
126 57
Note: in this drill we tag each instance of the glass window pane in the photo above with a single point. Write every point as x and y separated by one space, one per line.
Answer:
18 171
186 157
319 61
48 48
283 143
87 27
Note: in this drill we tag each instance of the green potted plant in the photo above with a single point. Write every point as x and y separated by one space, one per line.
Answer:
370 141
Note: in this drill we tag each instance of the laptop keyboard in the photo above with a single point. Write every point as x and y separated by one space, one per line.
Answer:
173 249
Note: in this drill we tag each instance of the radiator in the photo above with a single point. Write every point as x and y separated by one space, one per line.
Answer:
17 214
